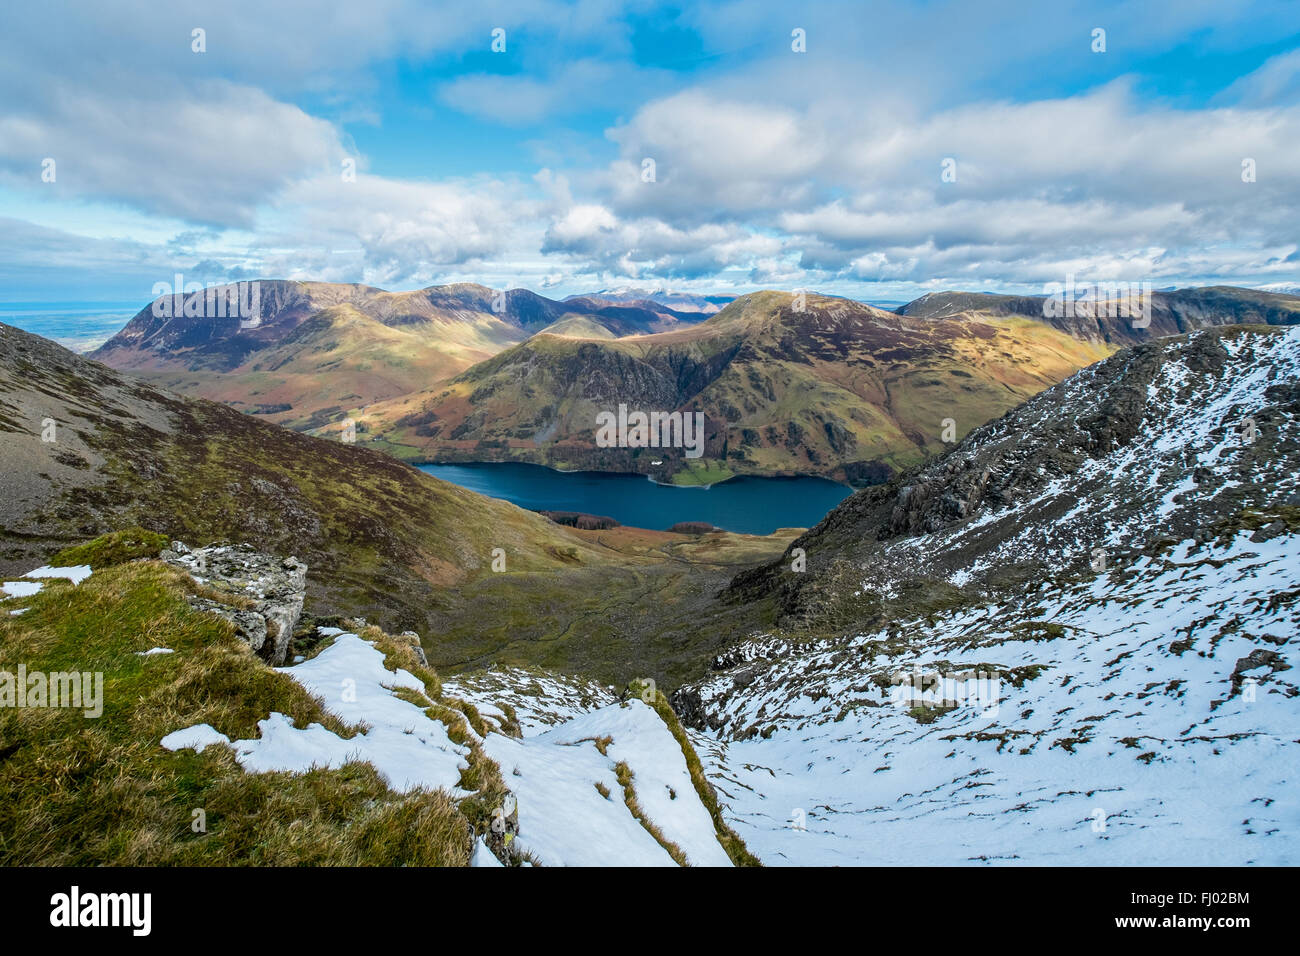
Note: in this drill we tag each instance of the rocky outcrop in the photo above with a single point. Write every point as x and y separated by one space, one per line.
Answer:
1202 418
260 594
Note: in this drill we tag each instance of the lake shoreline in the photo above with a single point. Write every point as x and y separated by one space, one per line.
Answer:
744 504
421 463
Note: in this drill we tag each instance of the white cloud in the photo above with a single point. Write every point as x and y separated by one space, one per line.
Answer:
572 87
209 157
1097 179
596 239
772 167
401 231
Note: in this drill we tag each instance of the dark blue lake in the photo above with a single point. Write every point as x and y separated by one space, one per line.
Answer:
747 505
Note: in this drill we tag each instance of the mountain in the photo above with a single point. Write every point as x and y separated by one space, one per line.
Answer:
1069 639
1172 312
839 388
310 352
125 453
1138 439
479 579
678 301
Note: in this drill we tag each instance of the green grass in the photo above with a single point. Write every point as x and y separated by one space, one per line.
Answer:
115 548
702 471
82 791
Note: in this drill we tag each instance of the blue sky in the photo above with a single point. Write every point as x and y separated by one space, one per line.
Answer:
773 168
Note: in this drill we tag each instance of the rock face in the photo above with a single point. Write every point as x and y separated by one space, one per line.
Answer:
1165 440
265 593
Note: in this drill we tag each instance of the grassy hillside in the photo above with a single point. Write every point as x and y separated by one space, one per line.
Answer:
338 361
381 540
90 792
840 389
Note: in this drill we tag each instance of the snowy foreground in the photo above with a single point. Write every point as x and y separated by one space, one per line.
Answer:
555 772
1160 726
1156 721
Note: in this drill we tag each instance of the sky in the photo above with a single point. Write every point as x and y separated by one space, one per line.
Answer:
879 150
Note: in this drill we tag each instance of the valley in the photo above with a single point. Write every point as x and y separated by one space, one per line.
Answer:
1113 556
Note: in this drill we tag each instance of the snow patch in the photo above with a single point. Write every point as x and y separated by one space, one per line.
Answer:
76 574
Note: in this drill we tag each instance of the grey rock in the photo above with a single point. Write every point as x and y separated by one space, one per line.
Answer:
1268 532
265 592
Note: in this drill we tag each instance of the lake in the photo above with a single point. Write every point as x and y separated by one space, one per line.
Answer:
744 504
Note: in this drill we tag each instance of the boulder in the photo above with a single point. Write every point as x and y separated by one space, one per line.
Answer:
261 594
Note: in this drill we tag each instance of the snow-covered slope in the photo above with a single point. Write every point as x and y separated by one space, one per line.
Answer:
1142 717
1102 669
407 747
565 820
597 781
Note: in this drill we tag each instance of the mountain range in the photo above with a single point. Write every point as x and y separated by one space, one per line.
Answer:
313 350
807 385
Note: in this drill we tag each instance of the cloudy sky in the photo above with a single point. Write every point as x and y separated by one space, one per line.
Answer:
531 166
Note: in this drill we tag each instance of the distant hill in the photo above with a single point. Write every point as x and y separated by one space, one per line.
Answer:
677 301
315 350
840 389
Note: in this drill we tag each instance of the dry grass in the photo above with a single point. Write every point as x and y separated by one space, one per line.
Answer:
625 777
602 743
